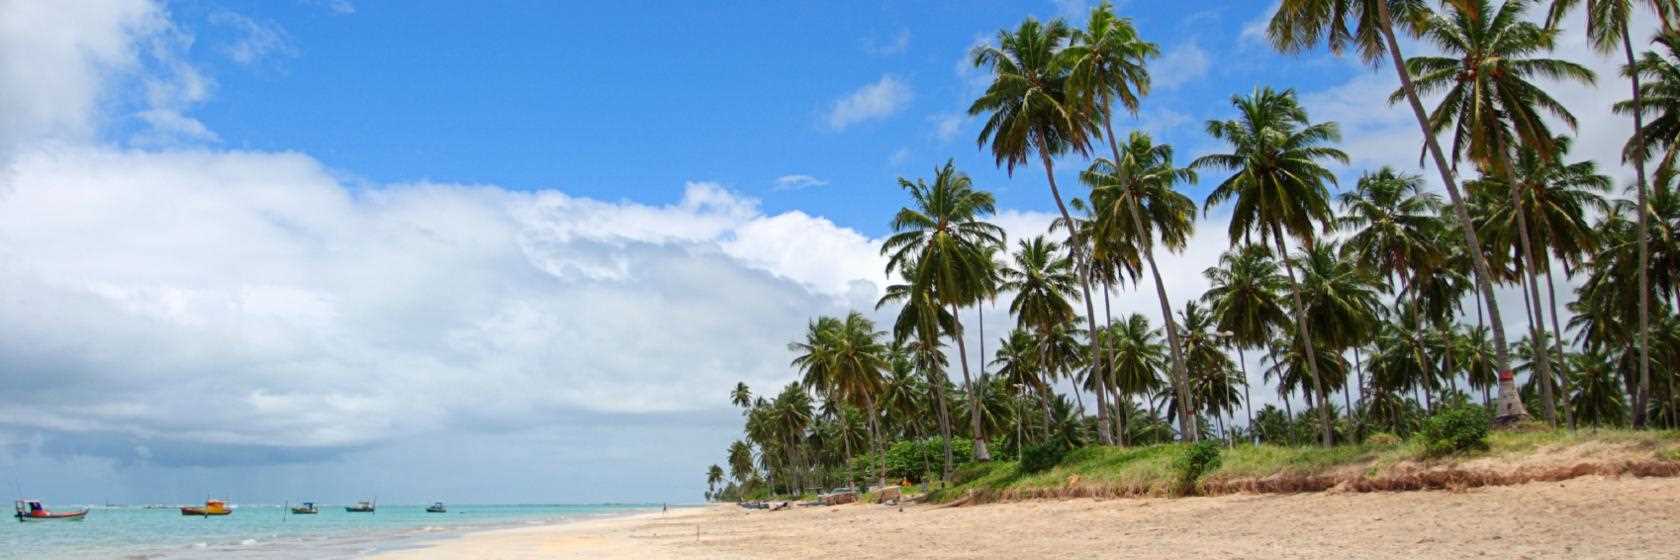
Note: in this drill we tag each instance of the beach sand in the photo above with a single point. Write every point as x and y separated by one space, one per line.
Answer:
1582 518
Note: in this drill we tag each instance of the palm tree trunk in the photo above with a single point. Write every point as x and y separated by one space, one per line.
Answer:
1542 356
1428 373
1358 417
1563 359
1640 401
1510 407
846 442
980 453
1180 374
1305 333
1108 315
875 440
937 379
1097 356
1248 402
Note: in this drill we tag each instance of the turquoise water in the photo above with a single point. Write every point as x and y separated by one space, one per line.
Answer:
268 532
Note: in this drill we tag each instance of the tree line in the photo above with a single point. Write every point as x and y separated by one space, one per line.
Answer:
1383 293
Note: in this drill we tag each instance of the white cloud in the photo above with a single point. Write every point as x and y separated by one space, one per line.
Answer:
899 157
320 316
1254 31
797 181
899 43
878 100
55 60
1180 65
337 7
257 40
946 126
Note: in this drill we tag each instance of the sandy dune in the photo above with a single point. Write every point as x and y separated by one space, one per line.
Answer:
1582 518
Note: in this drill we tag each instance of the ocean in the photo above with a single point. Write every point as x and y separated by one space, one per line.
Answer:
269 531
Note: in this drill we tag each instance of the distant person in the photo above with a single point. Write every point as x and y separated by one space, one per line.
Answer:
664 508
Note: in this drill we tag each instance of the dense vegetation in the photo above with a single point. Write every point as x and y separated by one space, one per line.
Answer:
1382 293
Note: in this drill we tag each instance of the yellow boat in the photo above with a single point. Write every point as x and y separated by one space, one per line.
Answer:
211 507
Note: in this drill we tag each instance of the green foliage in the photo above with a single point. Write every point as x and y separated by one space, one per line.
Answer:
1041 457
1455 429
1196 460
914 460
1383 439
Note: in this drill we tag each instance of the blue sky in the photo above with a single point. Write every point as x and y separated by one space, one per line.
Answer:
629 100
322 249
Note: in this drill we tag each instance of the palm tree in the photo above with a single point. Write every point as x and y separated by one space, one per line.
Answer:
1607 28
1244 293
1341 303
1138 358
1019 365
714 476
1134 200
945 236
1033 111
1597 399
921 319
1108 65
1215 377
1298 26
1659 95
845 360
1278 185
740 461
741 396
1490 105
1394 229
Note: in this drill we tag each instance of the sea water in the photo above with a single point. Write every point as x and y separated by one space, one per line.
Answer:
270 531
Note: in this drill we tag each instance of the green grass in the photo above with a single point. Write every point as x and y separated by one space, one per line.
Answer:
1149 470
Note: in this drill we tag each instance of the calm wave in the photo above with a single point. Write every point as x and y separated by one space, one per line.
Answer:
268 531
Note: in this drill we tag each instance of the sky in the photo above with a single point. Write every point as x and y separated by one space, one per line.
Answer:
517 252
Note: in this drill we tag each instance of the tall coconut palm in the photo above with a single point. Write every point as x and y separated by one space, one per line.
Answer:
714 476
1133 201
945 234
1109 60
1215 377
1277 185
1490 107
1394 225
1244 297
740 461
1138 358
920 320
845 360
741 396
1299 25
1031 110
1607 28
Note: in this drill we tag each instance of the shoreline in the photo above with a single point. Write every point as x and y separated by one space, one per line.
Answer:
1590 516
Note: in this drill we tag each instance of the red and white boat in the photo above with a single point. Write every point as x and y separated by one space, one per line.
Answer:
32 510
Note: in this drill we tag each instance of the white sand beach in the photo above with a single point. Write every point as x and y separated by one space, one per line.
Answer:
1582 518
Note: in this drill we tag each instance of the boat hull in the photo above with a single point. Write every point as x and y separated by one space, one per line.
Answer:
436 510
201 512
72 516
358 510
300 511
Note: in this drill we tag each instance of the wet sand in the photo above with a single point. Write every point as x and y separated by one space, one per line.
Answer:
1582 518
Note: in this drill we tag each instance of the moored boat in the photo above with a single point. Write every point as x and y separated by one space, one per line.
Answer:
33 510
210 508
308 508
437 507
363 506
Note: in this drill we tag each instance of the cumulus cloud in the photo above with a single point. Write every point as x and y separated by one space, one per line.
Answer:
1180 65
878 100
249 299
946 126
797 181
55 59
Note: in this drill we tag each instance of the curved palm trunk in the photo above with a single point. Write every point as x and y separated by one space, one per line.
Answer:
1097 356
980 453
1510 406
1180 373
1641 399
1306 335
1542 356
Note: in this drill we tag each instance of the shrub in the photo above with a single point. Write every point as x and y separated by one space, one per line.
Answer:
1383 439
1455 429
1198 459
1042 456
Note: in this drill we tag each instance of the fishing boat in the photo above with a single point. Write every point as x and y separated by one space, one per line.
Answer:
32 510
210 508
363 506
308 508
437 507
